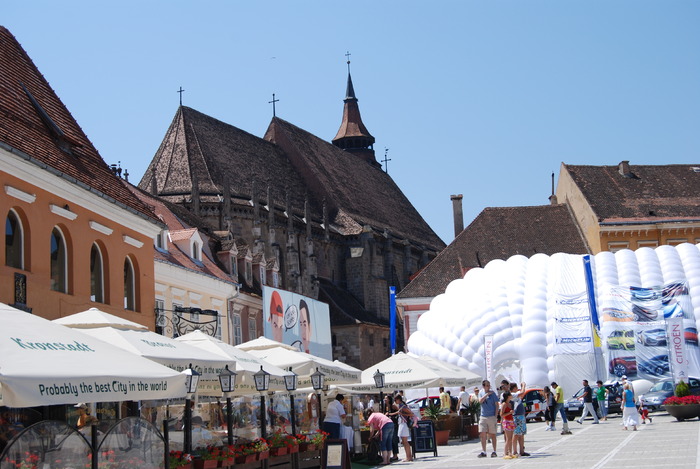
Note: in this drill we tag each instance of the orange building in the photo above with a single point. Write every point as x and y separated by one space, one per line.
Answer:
75 236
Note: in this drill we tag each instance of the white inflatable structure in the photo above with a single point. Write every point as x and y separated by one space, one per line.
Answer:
538 314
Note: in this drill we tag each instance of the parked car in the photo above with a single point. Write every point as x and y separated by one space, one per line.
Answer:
534 404
657 365
652 337
574 405
654 398
623 366
419 405
621 340
691 336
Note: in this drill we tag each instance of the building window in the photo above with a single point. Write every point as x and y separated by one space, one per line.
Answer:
252 328
248 271
647 243
263 277
59 262
14 241
234 267
618 246
371 340
96 275
196 252
160 317
237 331
129 286
275 279
676 242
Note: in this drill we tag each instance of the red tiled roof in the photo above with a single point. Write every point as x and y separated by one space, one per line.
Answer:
23 129
646 194
499 233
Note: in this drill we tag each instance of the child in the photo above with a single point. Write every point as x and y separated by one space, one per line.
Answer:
643 412
508 424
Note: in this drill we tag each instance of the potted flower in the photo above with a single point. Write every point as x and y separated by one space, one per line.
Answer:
261 448
436 413
473 412
226 456
206 458
683 408
179 460
282 443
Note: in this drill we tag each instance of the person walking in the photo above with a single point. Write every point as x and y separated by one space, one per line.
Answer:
463 400
508 424
549 406
587 404
630 416
601 395
559 398
445 401
520 429
487 421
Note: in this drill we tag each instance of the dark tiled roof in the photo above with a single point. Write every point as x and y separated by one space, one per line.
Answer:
499 233
653 193
344 308
349 184
213 153
22 127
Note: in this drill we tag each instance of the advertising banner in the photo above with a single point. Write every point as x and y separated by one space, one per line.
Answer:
297 320
488 356
572 324
649 332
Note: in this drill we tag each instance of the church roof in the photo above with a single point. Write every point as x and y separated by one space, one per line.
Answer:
644 194
34 121
344 309
364 194
201 149
499 233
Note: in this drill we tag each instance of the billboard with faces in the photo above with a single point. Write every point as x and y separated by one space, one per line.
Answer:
297 320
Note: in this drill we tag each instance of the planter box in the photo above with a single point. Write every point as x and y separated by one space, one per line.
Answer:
293 449
246 458
205 463
281 451
683 412
307 447
263 455
226 463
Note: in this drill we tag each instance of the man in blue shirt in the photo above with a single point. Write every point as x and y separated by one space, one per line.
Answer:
487 422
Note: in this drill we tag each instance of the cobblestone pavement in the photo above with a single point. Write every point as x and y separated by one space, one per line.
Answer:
663 443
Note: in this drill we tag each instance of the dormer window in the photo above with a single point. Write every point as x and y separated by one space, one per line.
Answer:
161 240
196 251
248 271
234 267
263 277
275 279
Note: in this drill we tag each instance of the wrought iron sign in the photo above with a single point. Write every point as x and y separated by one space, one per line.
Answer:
177 325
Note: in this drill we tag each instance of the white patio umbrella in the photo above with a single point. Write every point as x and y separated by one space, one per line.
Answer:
156 347
42 363
246 364
402 371
263 343
303 364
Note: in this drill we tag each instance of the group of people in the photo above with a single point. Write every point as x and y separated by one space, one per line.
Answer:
511 409
392 425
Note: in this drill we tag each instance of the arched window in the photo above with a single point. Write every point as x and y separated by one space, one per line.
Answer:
59 262
129 286
96 275
14 241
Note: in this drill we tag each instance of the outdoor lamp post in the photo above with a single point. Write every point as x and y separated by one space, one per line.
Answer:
262 382
379 382
191 381
317 379
227 379
290 382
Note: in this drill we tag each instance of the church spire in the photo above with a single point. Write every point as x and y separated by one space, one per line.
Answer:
353 136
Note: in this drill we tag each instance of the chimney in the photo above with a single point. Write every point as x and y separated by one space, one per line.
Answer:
624 168
553 197
457 213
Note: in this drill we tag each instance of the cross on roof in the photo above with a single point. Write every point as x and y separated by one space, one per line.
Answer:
347 54
386 160
273 104
181 91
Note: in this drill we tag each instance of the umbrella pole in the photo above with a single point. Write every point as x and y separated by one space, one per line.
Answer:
263 429
292 417
188 427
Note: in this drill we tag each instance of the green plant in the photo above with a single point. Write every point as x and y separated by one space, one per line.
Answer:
682 389
434 412
474 410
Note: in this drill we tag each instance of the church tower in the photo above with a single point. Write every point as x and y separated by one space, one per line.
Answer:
353 136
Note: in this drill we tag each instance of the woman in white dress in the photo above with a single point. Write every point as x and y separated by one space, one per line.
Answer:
630 416
405 420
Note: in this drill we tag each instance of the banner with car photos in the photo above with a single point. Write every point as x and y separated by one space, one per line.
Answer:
649 332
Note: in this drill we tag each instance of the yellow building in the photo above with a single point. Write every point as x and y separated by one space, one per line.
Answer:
633 206
75 236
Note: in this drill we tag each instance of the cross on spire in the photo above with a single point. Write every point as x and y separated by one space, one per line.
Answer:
347 55
386 160
181 91
273 104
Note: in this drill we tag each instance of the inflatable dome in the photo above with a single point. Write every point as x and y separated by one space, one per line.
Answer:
570 317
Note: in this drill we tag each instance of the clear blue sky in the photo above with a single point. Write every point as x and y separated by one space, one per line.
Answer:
481 98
